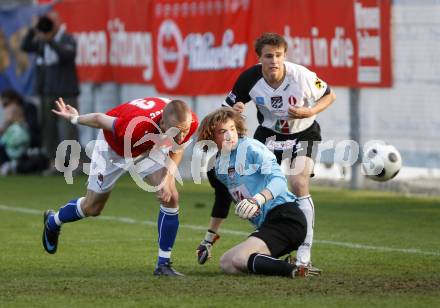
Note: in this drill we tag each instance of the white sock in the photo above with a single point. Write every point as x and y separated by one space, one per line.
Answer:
303 255
78 207
57 220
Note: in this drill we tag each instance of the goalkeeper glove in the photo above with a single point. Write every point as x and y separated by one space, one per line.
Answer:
250 207
205 247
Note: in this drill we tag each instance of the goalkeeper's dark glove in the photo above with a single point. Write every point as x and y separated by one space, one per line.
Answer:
205 247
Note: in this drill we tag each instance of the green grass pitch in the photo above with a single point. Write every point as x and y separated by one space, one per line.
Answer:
375 249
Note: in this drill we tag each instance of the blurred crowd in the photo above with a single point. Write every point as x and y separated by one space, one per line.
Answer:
20 136
30 133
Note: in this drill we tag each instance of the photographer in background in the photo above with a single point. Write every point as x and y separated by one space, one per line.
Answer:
56 77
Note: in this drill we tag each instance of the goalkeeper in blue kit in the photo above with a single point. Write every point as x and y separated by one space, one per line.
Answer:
252 176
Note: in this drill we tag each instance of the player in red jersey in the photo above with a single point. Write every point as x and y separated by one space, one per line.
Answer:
144 135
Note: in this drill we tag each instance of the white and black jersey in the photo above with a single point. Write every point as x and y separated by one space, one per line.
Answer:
300 87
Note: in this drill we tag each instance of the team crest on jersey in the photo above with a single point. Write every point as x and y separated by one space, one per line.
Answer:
259 100
276 102
231 173
292 100
318 83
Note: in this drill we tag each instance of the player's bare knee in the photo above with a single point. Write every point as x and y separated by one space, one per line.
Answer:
93 209
300 185
173 203
94 212
226 264
239 261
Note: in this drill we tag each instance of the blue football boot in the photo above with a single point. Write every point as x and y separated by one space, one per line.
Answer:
50 238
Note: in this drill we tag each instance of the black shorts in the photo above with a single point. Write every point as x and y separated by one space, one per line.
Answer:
304 143
284 229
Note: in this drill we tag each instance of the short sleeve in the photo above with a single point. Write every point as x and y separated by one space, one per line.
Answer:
243 85
314 86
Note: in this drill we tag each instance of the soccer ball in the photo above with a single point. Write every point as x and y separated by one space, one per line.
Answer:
381 162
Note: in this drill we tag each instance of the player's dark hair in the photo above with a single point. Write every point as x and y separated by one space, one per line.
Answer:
206 129
176 110
269 38
9 96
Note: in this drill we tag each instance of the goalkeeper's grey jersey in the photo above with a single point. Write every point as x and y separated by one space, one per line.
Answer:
301 87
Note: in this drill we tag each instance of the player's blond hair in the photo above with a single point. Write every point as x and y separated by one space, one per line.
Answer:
175 112
207 127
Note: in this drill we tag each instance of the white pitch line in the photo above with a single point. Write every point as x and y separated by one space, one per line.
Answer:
379 248
235 232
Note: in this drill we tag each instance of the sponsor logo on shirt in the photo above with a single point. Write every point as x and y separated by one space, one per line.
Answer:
284 145
286 87
282 126
259 100
318 83
232 97
292 100
276 102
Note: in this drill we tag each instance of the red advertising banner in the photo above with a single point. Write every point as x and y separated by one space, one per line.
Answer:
87 20
347 43
113 37
200 46
194 47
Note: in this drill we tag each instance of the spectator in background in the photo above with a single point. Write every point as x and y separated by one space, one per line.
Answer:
33 160
15 138
56 77
30 114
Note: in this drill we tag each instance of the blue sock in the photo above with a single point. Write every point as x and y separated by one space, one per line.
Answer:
167 226
70 212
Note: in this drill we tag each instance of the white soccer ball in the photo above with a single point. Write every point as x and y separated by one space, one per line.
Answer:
381 162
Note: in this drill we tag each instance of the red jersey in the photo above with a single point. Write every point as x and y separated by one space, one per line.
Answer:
140 116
